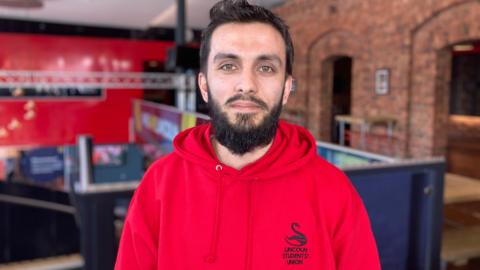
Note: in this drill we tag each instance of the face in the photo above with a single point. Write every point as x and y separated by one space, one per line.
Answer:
245 80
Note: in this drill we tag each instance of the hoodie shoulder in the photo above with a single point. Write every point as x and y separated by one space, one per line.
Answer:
194 145
163 164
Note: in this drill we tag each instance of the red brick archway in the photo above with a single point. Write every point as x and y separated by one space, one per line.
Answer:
430 79
323 51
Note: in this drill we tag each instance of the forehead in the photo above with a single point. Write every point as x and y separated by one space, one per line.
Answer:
247 40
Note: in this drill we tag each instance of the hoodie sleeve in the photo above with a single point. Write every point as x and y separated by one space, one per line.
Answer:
138 244
354 244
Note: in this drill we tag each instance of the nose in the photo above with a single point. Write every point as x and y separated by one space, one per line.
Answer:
247 83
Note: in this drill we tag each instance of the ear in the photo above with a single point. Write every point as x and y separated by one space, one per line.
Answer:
202 84
288 88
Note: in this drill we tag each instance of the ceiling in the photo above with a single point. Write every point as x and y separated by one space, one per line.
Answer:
133 14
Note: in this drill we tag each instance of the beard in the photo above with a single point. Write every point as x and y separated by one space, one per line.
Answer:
244 135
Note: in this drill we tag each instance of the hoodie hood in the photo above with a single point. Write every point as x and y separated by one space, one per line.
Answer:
292 147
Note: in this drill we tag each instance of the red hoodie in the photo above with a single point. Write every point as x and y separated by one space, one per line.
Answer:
288 210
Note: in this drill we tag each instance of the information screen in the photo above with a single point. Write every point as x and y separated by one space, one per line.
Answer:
109 155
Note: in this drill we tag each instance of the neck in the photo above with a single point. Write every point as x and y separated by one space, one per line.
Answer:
238 161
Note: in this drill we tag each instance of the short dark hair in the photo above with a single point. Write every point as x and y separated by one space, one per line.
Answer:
240 11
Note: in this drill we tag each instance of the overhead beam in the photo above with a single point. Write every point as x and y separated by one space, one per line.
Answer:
181 22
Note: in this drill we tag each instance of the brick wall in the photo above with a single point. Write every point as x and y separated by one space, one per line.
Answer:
410 38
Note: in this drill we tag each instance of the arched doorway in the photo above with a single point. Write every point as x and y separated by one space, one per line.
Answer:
341 93
463 142
428 114
342 51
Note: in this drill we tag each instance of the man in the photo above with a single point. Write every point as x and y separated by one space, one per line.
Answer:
246 191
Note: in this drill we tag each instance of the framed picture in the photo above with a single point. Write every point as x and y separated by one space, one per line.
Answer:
382 81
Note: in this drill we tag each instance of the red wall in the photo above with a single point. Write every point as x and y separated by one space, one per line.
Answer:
59 121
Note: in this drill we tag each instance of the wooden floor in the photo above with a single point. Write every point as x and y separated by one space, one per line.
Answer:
462 208
461 241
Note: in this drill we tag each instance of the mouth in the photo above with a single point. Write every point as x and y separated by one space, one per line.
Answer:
245 106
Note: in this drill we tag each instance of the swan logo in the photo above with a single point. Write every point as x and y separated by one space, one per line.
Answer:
296 251
299 239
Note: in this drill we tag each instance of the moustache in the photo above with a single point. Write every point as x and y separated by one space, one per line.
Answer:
260 103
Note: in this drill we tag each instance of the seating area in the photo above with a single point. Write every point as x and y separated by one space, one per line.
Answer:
461 235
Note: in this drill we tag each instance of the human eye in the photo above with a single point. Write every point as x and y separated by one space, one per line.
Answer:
228 67
266 69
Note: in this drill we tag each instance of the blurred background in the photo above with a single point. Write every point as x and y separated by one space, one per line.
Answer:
93 91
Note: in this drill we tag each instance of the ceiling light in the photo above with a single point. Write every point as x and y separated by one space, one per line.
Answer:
463 48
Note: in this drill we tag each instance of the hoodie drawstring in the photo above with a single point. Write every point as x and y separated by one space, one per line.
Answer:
212 255
248 259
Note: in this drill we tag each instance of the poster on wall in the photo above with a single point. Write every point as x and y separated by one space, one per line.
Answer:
43 165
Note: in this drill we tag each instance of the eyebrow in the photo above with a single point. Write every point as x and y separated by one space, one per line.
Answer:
262 57
221 56
270 57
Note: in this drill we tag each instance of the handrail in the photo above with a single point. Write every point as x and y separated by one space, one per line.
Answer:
37 203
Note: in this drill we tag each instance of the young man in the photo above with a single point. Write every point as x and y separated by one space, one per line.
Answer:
246 191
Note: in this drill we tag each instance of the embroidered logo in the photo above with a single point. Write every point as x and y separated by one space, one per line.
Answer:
299 239
295 252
